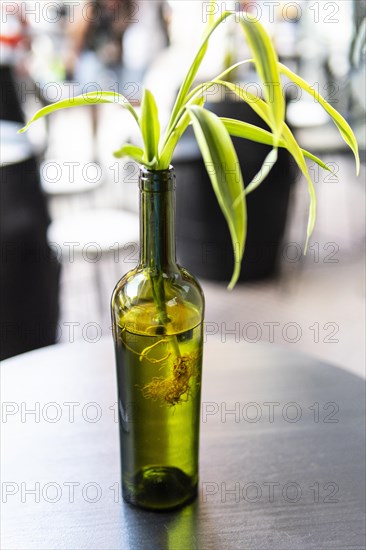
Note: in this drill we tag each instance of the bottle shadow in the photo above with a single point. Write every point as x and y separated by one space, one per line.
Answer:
163 530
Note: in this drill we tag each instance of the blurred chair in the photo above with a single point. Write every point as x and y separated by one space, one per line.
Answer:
93 235
29 271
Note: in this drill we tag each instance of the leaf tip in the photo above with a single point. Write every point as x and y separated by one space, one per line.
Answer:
236 273
231 285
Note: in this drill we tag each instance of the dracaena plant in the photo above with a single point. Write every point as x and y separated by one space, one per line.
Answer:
214 133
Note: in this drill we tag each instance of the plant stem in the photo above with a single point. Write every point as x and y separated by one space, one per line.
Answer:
157 284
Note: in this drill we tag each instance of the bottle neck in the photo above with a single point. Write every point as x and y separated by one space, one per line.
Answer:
157 219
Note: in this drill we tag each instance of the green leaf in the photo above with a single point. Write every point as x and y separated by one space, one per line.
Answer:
224 171
211 12
296 152
263 172
201 88
192 71
261 108
342 125
266 62
318 161
265 169
256 103
175 135
249 131
150 126
91 98
172 141
132 151
238 128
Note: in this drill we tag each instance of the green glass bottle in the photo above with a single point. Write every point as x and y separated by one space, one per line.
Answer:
157 314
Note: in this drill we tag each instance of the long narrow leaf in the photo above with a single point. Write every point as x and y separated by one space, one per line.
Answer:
266 62
132 151
202 88
91 98
211 12
296 152
265 169
317 160
342 125
175 135
150 126
263 172
261 109
238 128
256 103
192 71
224 171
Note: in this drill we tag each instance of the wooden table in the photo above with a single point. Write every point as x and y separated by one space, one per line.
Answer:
284 470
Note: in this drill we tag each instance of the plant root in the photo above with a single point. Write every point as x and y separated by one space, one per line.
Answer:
176 388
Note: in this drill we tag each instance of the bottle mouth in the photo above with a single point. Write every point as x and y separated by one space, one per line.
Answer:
157 181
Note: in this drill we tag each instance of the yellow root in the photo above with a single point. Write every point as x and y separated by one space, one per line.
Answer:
175 388
172 389
143 354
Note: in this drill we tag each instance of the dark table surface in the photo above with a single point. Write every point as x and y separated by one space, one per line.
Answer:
282 454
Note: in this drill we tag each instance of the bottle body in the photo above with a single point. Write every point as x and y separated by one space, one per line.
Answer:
157 314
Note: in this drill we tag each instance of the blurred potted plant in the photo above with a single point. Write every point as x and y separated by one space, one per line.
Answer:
158 307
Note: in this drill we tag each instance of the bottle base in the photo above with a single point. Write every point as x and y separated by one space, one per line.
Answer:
160 488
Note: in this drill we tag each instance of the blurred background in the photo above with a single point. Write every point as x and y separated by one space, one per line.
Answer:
69 209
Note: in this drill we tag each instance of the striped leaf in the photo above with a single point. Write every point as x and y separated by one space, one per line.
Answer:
238 128
342 125
132 151
91 98
150 126
192 71
266 63
224 171
175 135
296 152
211 12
